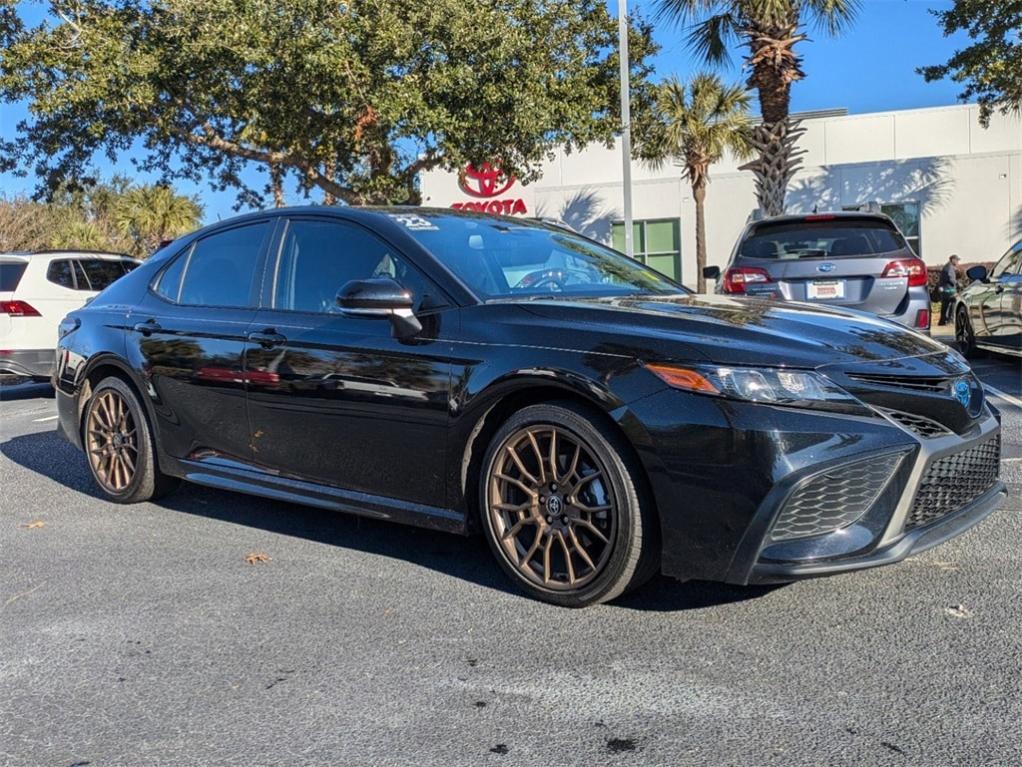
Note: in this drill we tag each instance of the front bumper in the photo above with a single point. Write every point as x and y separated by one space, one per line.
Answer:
723 478
26 363
911 543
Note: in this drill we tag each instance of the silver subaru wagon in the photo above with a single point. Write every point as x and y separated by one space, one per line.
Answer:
856 260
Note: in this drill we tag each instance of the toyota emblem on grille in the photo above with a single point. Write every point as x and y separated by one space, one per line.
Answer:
962 392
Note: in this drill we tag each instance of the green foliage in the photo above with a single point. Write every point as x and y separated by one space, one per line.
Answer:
116 216
354 97
990 68
695 124
769 29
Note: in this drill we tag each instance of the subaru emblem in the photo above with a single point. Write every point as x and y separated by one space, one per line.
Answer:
962 392
826 268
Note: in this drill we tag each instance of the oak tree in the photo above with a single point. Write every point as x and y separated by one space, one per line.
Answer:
354 97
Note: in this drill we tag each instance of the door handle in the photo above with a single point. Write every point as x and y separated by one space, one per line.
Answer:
147 328
267 338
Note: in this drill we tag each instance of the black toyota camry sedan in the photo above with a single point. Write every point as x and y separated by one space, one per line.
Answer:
595 421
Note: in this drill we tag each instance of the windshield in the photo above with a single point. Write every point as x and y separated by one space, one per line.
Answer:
503 258
822 239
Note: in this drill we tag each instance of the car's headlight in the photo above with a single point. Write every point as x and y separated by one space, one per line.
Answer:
774 386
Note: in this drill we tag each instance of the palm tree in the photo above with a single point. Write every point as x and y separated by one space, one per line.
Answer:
695 125
152 213
770 29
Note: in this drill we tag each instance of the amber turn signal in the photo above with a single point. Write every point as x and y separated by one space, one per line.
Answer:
683 378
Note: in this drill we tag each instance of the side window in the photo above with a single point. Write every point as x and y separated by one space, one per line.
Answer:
101 272
169 285
61 273
80 278
1007 265
317 258
221 269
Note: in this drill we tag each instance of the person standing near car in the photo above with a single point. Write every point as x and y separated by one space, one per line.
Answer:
948 287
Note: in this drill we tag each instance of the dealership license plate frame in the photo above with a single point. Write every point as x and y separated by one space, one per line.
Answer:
832 289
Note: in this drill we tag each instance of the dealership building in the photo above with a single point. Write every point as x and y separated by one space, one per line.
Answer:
951 185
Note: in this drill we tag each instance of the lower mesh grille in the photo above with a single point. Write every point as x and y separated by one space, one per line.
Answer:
955 481
917 424
835 499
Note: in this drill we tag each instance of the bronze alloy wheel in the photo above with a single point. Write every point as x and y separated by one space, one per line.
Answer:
551 507
112 439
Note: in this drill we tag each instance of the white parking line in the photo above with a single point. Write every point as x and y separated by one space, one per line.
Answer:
1006 397
47 418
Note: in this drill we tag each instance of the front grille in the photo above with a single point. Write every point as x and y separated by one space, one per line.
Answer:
954 481
917 424
835 499
917 383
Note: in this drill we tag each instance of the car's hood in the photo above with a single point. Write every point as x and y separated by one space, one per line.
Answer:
733 330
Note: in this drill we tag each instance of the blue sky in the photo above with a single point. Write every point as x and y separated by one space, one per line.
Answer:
870 68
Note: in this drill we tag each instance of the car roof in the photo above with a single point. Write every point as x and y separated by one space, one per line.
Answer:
359 212
826 215
41 254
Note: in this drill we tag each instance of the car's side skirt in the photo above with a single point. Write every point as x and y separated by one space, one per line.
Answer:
999 349
229 475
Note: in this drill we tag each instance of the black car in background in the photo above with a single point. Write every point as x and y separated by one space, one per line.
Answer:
595 421
988 313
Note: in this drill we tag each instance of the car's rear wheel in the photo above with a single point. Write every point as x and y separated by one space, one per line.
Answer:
964 334
564 508
119 445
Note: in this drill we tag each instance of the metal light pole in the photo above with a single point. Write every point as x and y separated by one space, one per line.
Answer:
626 121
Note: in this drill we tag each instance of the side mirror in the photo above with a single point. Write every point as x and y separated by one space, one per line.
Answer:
380 298
977 273
711 272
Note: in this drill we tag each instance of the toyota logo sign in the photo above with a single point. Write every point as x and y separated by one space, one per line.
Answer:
484 181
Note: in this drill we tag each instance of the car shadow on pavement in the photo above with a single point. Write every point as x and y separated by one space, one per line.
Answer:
49 455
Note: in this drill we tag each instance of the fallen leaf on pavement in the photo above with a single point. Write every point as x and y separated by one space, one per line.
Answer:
256 558
958 611
34 525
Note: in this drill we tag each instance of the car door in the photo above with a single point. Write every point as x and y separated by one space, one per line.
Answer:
987 305
188 336
338 399
1010 334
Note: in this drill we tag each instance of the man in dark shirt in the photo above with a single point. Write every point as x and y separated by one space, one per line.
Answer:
948 288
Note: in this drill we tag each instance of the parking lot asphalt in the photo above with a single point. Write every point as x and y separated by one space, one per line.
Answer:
141 636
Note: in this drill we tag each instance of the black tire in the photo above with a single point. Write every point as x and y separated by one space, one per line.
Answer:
965 336
147 481
634 548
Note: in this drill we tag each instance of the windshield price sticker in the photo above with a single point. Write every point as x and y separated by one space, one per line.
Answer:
414 222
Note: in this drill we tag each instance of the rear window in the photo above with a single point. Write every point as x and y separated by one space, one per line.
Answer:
821 239
10 275
101 273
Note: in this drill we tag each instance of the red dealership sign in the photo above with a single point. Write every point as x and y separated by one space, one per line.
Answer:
485 183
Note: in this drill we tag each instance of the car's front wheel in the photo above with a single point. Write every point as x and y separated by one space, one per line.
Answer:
119 445
964 334
564 507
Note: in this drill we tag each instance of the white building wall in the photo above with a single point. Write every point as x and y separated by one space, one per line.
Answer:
967 180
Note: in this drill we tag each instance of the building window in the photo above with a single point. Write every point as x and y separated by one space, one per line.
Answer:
657 243
905 215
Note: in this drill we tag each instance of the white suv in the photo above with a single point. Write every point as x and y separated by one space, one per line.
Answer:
37 290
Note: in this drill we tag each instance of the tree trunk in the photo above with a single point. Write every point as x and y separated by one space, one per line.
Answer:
777 162
329 198
277 185
775 66
699 193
